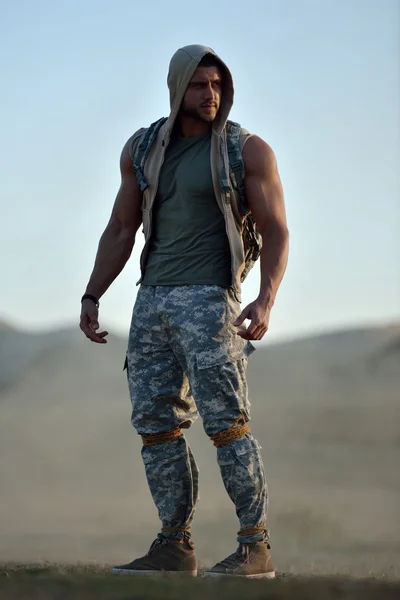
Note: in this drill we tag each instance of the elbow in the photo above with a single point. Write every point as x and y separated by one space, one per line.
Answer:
284 231
122 231
276 231
120 236
286 235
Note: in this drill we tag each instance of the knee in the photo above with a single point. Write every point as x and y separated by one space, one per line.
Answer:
147 421
155 419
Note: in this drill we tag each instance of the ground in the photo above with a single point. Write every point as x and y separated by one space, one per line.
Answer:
63 582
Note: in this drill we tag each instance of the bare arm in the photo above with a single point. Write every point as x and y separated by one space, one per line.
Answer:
265 197
117 241
116 244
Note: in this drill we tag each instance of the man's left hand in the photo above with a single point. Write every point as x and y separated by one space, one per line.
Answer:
259 315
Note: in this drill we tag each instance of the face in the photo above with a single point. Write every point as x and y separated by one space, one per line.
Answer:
203 95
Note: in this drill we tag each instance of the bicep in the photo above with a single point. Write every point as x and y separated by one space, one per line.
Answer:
263 185
127 213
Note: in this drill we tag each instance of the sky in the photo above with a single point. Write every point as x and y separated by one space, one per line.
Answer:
319 80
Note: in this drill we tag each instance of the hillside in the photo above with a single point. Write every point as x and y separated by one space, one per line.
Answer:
326 410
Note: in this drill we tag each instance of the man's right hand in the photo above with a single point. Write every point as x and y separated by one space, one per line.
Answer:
89 322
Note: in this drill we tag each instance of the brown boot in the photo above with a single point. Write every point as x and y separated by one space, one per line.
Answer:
166 555
250 560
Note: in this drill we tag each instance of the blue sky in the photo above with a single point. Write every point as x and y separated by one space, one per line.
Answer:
318 79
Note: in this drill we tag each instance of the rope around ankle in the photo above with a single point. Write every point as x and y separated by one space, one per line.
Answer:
247 531
176 529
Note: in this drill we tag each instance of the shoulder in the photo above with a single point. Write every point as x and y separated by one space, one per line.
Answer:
129 150
132 143
258 156
155 131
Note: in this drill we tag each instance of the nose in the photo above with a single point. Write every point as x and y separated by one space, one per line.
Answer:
209 92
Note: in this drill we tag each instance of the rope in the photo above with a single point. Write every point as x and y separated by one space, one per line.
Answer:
175 529
151 439
252 530
227 436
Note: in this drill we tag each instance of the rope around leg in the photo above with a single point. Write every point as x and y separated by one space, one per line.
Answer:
176 529
151 439
232 434
245 531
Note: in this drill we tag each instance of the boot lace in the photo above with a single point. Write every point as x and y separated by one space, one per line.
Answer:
158 542
240 557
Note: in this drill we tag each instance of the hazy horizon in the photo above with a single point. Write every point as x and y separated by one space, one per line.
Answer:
122 332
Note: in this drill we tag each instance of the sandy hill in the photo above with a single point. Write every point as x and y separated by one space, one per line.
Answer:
326 410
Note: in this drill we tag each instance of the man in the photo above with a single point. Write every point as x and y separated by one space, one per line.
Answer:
188 346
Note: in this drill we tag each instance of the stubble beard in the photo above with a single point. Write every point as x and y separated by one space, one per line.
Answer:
194 113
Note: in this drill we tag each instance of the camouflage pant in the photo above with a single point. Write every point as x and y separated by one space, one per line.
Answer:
184 356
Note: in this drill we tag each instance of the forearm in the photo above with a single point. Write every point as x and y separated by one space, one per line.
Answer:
273 262
115 248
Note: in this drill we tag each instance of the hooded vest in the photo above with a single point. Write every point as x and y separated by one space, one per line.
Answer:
181 69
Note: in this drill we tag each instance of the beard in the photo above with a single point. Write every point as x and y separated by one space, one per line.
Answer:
197 115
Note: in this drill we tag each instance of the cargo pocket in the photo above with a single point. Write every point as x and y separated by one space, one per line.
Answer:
244 478
237 452
212 358
219 386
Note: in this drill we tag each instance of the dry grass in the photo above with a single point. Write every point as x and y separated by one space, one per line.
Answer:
58 582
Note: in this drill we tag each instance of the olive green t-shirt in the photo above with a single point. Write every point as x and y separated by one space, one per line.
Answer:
189 244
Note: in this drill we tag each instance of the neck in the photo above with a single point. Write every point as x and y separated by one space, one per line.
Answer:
188 127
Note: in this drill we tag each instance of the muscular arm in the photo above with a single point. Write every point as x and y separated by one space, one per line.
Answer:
265 197
115 246
117 241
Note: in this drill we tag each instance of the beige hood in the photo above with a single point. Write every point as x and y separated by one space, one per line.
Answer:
181 69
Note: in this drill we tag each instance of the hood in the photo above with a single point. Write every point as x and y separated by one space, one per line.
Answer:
181 69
